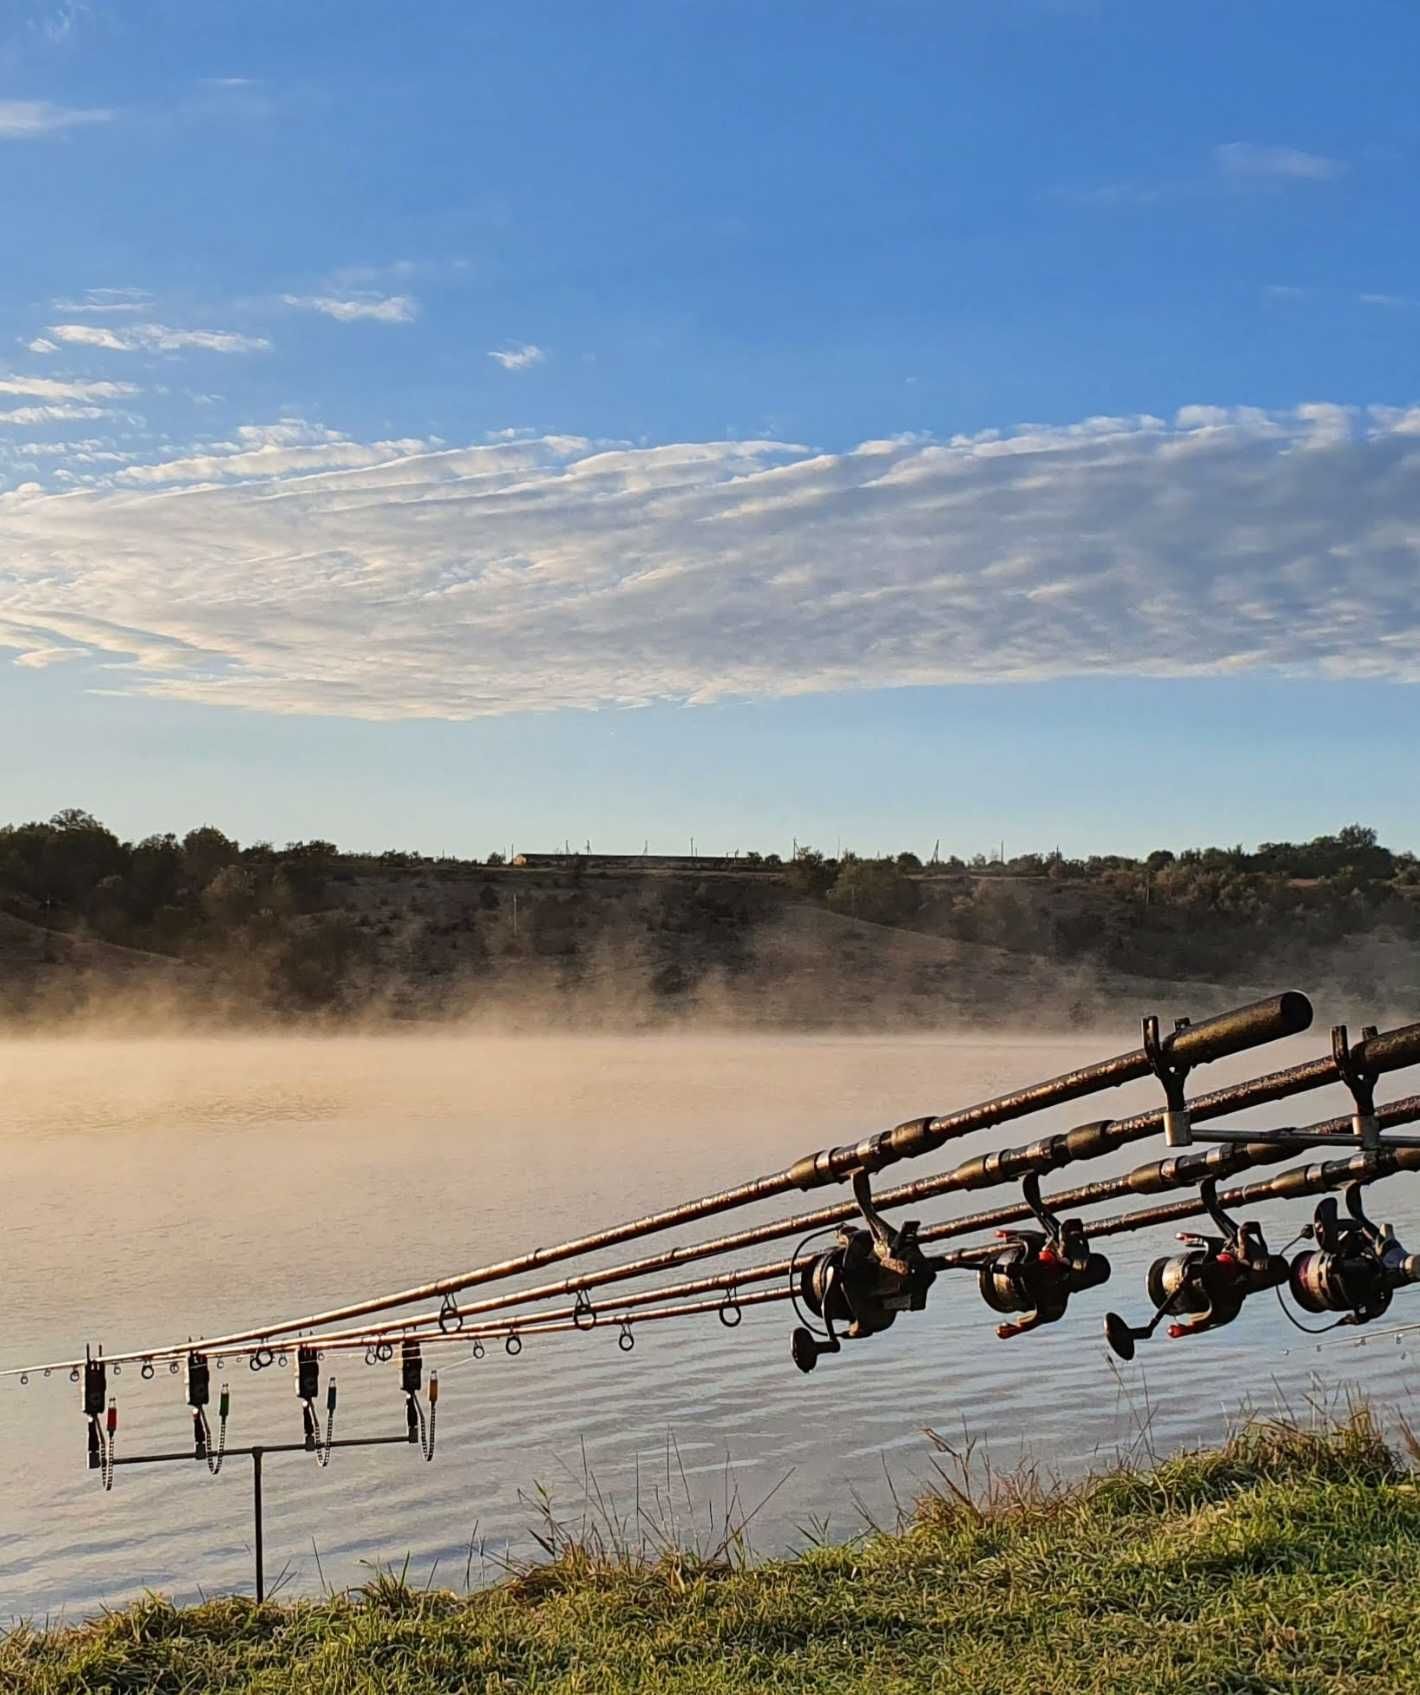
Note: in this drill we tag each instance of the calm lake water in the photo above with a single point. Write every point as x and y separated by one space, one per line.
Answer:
151 1190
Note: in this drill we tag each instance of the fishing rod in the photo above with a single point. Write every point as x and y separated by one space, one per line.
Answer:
1041 1274
1374 1056
1344 1284
1170 1057
1354 1269
858 1287
1178 1171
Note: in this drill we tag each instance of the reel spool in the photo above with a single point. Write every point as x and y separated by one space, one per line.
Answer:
1356 1265
1038 1270
1210 1281
862 1282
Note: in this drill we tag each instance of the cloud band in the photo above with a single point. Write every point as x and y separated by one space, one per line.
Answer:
387 581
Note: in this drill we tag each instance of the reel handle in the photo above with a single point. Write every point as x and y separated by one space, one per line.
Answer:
1122 1337
806 1349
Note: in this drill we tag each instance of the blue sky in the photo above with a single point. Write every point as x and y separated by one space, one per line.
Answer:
448 426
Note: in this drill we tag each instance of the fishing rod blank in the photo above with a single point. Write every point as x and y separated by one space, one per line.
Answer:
1380 1054
1187 1046
1158 1176
1365 1166
1395 1049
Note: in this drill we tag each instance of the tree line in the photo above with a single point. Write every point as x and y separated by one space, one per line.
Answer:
307 925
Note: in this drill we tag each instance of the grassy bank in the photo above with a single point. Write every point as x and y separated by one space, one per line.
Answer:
1287 1561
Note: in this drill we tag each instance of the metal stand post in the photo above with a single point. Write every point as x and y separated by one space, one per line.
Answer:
256 1514
256 1455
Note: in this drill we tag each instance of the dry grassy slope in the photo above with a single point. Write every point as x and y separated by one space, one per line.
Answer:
805 965
29 947
849 971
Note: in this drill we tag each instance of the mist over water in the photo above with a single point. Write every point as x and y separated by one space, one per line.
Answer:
173 1186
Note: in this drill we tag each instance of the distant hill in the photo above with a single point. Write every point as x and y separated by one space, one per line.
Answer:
208 928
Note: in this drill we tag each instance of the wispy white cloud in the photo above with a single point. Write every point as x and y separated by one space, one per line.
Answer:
50 414
519 358
40 658
42 344
156 338
52 388
288 447
384 309
1249 159
83 450
107 300
32 120
542 574
1391 300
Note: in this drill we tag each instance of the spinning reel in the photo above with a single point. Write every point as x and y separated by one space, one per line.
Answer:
1038 1270
862 1282
1356 1265
1210 1281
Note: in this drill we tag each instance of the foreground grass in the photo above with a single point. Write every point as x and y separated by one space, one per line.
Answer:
1287 1561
